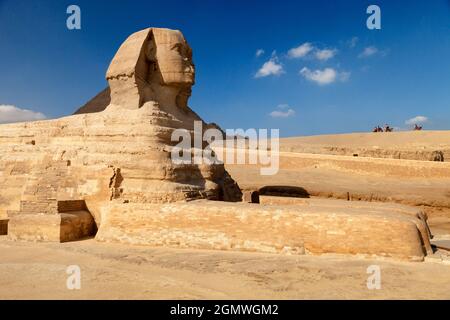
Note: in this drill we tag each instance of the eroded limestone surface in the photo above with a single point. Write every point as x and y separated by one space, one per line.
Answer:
288 229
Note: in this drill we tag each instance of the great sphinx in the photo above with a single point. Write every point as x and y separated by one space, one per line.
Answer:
112 170
121 154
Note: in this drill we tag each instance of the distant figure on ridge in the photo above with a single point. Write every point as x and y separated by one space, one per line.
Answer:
387 128
377 129
417 127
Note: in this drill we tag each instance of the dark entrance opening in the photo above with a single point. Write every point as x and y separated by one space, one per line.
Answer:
4 227
284 191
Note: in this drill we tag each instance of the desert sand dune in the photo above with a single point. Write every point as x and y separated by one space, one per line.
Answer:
415 145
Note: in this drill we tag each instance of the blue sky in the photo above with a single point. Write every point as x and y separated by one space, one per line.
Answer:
329 84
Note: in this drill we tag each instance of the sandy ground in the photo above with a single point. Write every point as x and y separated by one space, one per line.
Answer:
112 271
407 141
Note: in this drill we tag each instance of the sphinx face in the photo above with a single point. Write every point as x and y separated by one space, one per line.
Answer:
174 57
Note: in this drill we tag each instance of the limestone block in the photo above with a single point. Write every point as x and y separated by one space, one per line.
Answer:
52 228
276 229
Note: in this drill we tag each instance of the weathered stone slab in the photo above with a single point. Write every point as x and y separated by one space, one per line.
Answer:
276 229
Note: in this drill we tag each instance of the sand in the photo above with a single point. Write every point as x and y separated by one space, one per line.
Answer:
404 145
112 271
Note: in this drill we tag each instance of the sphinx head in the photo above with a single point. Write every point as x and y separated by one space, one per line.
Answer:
173 56
152 65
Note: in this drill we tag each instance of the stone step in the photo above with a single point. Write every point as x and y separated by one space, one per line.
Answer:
61 227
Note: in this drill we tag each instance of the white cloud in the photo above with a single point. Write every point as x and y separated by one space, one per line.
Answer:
10 114
271 67
353 42
416 120
259 52
368 52
325 54
307 48
321 77
282 111
300 51
325 76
